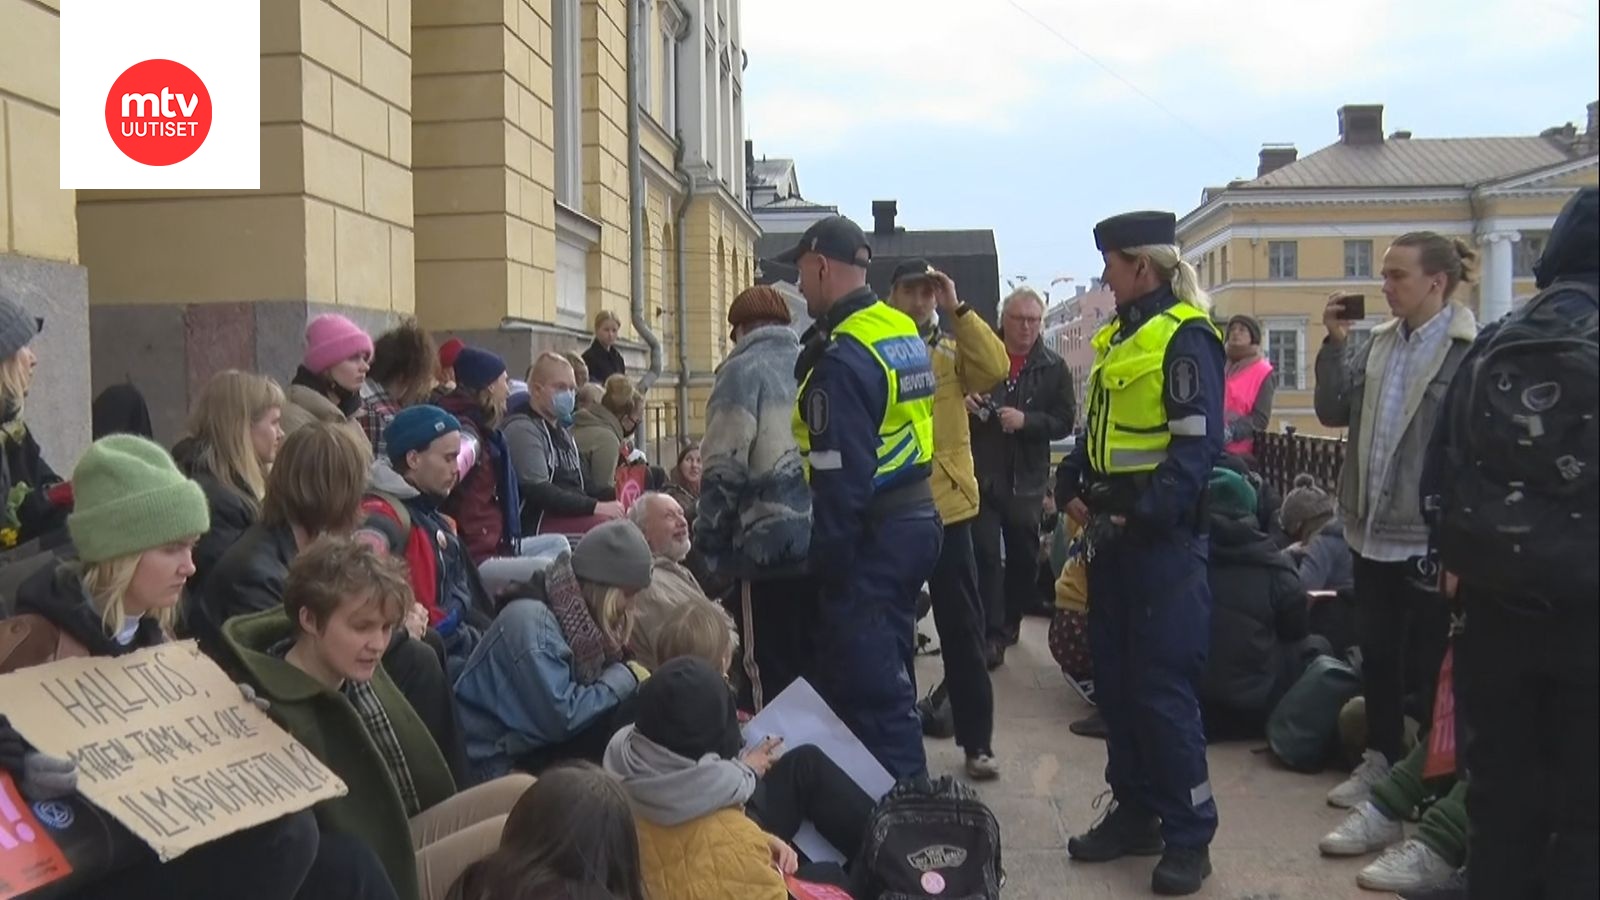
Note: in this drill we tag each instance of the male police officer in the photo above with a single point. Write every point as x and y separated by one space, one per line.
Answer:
1154 430
864 423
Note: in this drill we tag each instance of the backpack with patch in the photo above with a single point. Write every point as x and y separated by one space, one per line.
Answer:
1517 504
930 840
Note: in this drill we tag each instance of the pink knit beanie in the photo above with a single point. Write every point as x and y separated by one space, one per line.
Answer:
331 339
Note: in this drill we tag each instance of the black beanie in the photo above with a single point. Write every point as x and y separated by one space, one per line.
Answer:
686 707
1250 325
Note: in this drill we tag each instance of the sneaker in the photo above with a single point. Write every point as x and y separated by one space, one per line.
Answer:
1452 888
983 767
1181 871
1408 867
1091 726
1365 830
1122 831
1357 789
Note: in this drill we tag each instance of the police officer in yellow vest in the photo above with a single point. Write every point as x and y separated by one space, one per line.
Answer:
864 423
1138 483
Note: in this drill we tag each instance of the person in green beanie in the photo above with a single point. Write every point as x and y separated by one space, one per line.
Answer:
135 523
1259 628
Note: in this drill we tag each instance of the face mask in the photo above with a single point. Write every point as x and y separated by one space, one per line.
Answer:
564 402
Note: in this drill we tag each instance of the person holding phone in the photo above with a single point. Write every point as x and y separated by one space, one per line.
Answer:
1387 389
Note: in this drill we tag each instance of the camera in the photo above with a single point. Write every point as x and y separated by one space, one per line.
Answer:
987 409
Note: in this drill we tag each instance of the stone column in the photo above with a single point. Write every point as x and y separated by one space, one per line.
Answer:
187 283
1495 293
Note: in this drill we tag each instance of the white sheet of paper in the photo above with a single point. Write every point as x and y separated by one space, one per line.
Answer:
800 716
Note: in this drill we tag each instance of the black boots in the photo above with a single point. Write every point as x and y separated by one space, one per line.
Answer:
1181 871
1122 831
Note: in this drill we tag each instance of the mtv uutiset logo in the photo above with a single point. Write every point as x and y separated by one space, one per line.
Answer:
161 94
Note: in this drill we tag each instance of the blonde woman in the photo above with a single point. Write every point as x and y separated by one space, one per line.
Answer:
1139 483
35 500
136 520
602 431
548 681
603 358
235 430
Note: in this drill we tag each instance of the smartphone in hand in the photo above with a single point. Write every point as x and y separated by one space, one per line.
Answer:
1352 307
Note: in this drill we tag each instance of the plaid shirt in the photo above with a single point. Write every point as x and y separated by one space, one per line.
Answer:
377 410
1412 350
376 720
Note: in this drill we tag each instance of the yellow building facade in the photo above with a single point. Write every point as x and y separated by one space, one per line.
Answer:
1276 246
463 161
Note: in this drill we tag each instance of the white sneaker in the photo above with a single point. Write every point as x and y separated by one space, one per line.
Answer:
1408 867
1357 789
1365 830
983 767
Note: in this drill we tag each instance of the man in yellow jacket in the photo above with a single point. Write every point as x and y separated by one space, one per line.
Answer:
968 359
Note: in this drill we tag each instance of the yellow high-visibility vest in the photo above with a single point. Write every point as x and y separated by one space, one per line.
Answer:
905 436
1128 429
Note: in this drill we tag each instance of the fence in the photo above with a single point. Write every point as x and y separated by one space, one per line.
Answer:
1283 456
660 438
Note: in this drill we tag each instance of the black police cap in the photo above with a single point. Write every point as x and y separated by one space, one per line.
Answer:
835 237
1136 229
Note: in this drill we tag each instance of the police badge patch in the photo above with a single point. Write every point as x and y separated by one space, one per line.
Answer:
1183 380
817 411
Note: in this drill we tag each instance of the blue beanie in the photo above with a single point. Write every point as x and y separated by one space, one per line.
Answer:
415 428
477 369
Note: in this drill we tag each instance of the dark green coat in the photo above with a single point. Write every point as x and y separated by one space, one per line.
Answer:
331 728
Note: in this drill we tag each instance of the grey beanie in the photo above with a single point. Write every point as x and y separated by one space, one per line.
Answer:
614 554
1304 505
17 328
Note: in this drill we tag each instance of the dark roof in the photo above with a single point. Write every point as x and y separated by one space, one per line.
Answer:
1415 162
771 171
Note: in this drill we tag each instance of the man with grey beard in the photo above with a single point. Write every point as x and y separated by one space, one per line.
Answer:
666 530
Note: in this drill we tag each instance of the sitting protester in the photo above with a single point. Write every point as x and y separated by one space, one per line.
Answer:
37 506
445 374
1320 552
316 488
715 824
327 386
666 530
1428 860
318 661
1258 614
683 482
235 431
548 681
121 409
701 629
604 433
402 375
408 486
136 520
544 456
570 836
485 502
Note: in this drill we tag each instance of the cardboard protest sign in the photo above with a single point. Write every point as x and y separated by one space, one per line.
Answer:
166 744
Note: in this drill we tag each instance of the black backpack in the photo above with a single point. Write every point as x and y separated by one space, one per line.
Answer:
1517 504
1303 729
930 841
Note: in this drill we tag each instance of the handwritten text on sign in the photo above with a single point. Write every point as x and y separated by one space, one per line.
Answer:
165 743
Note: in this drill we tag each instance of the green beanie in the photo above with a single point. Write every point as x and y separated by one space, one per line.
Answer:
1231 495
128 497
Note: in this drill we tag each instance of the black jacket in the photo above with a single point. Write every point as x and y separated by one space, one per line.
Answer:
1258 611
248 578
232 512
55 594
603 362
1017 466
21 463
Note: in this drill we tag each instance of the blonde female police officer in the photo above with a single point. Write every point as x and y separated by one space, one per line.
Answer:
864 425
1155 428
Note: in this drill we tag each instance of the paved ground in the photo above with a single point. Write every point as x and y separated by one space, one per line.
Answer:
1266 848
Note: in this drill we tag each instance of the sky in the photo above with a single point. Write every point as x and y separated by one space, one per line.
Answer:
1038 118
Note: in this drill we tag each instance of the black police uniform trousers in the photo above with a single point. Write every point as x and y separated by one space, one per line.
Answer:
1529 683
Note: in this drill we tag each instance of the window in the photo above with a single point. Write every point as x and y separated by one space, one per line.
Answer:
575 235
1526 251
1358 259
1283 259
1285 341
569 144
1224 263
671 22
1211 269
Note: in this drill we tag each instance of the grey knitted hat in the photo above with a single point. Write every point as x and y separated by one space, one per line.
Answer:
614 554
1304 505
17 328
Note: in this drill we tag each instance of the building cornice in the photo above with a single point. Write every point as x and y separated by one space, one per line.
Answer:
1368 229
1530 180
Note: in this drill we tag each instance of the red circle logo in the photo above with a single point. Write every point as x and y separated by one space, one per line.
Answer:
158 112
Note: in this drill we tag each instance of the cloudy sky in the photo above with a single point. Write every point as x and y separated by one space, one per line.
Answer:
1037 118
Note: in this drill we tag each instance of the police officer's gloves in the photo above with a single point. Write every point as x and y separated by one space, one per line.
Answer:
39 776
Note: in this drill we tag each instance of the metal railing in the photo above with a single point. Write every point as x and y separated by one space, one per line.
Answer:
1281 457
660 439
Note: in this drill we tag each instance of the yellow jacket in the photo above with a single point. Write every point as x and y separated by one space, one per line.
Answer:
721 856
972 360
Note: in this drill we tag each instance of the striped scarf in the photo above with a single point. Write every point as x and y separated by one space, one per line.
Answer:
592 647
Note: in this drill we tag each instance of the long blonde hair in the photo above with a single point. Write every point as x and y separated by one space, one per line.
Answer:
229 407
107 583
1173 269
14 381
610 609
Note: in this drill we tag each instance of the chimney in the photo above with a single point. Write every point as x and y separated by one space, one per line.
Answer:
1591 132
749 157
1275 157
1400 136
1361 124
883 212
